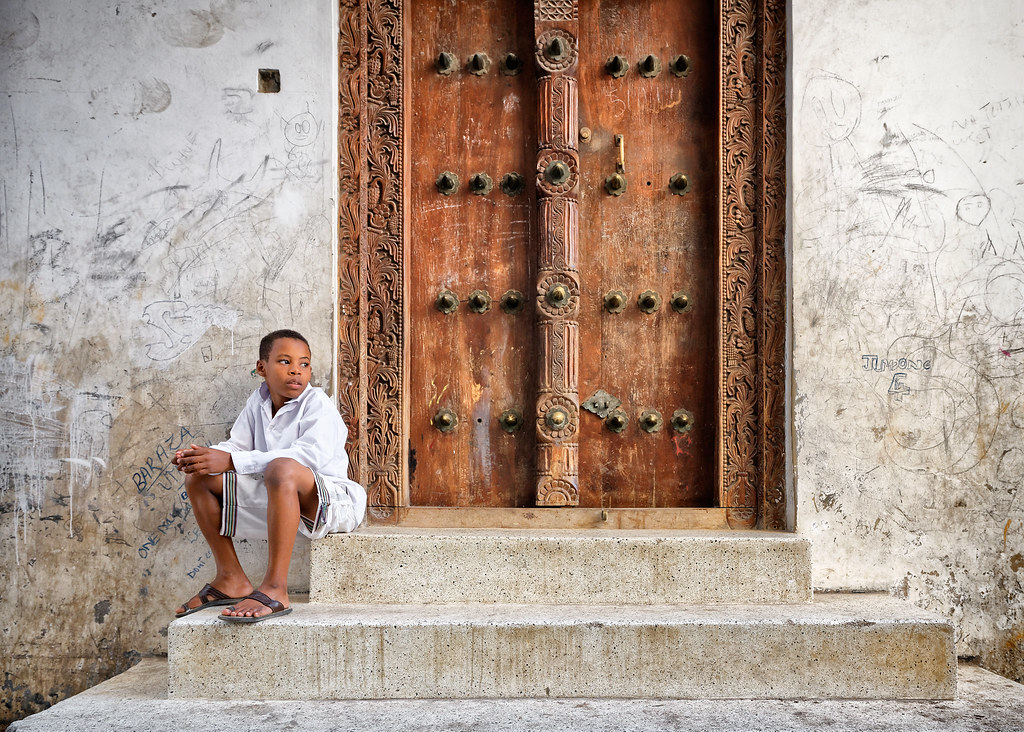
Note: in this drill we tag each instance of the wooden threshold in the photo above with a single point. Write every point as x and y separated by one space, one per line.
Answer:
561 518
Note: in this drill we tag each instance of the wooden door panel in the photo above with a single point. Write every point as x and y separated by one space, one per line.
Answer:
649 240
476 365
383 312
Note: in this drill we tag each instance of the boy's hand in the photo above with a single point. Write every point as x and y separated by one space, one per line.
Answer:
202 460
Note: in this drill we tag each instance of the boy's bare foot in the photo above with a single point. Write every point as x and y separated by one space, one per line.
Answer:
219 592
250 608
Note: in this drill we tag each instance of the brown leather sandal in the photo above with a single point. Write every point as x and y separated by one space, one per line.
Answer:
209 596
276 608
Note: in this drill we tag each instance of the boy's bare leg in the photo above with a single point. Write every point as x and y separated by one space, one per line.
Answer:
291 492
204 493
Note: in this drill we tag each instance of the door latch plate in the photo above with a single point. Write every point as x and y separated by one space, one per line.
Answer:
601 403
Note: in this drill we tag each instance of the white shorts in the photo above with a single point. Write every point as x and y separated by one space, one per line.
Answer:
243 513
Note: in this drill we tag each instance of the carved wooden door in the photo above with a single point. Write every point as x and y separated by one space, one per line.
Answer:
562 256
471 139
648 252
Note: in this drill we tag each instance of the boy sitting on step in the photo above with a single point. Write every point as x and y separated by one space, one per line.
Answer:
282 471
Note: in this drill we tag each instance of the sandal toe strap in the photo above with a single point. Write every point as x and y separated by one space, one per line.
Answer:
265 600
209 592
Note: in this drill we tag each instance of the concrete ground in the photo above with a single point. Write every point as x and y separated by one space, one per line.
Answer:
137 700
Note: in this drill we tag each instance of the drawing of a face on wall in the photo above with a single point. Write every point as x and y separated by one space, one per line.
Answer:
973 209
836 106
301 130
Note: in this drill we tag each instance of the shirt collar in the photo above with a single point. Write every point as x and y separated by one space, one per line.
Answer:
265 398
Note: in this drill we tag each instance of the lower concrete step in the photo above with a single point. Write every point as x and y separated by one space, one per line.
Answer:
380 564
137 700
854 647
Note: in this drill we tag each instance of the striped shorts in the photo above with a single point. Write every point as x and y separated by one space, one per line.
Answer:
243 513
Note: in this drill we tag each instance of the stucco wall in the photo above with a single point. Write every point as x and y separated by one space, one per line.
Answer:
907 191
157 215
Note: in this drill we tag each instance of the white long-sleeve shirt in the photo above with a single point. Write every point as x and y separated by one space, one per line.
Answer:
307 429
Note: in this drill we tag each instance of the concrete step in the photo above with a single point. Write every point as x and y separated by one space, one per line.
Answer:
436 566
137 700
849 646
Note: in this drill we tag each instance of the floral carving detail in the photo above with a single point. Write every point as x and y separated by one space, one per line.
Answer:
549 433
384 258
570 158
557 474
773 480
738 383
559 126
557 492
571 282
741 517
350 298
752 283
568 59
559 218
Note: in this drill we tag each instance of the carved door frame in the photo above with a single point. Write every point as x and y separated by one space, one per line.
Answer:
372 363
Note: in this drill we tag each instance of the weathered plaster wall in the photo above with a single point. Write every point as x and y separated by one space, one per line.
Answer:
157 216
907 188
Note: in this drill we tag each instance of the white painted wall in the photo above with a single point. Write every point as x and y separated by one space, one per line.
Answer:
157 216
907 184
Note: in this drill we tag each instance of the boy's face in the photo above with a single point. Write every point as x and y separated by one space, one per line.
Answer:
286 371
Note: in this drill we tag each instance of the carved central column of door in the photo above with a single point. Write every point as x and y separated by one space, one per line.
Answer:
556 27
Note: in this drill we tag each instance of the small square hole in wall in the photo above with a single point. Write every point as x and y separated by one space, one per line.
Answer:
270 81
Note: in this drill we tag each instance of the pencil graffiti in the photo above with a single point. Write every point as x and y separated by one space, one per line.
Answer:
158 471
58 439
871 362
152 96
300 133
179 326
154 223
155 480
175 161
238 102
908 219
31 423
173 521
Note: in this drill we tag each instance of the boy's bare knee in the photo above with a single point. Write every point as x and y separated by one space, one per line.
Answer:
284 471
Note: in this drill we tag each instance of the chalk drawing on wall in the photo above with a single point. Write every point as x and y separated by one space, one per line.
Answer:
940 419
21 26
300 133
152 96
920 263
217 223
58 444
176 326
238 103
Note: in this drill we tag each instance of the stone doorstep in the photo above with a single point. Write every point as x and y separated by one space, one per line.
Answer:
137 700
380 564
840 646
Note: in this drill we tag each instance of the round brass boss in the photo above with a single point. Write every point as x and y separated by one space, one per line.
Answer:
557 418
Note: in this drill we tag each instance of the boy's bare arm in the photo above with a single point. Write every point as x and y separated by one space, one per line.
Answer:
202 460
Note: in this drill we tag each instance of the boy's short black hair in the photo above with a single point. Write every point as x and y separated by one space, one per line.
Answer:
268 341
